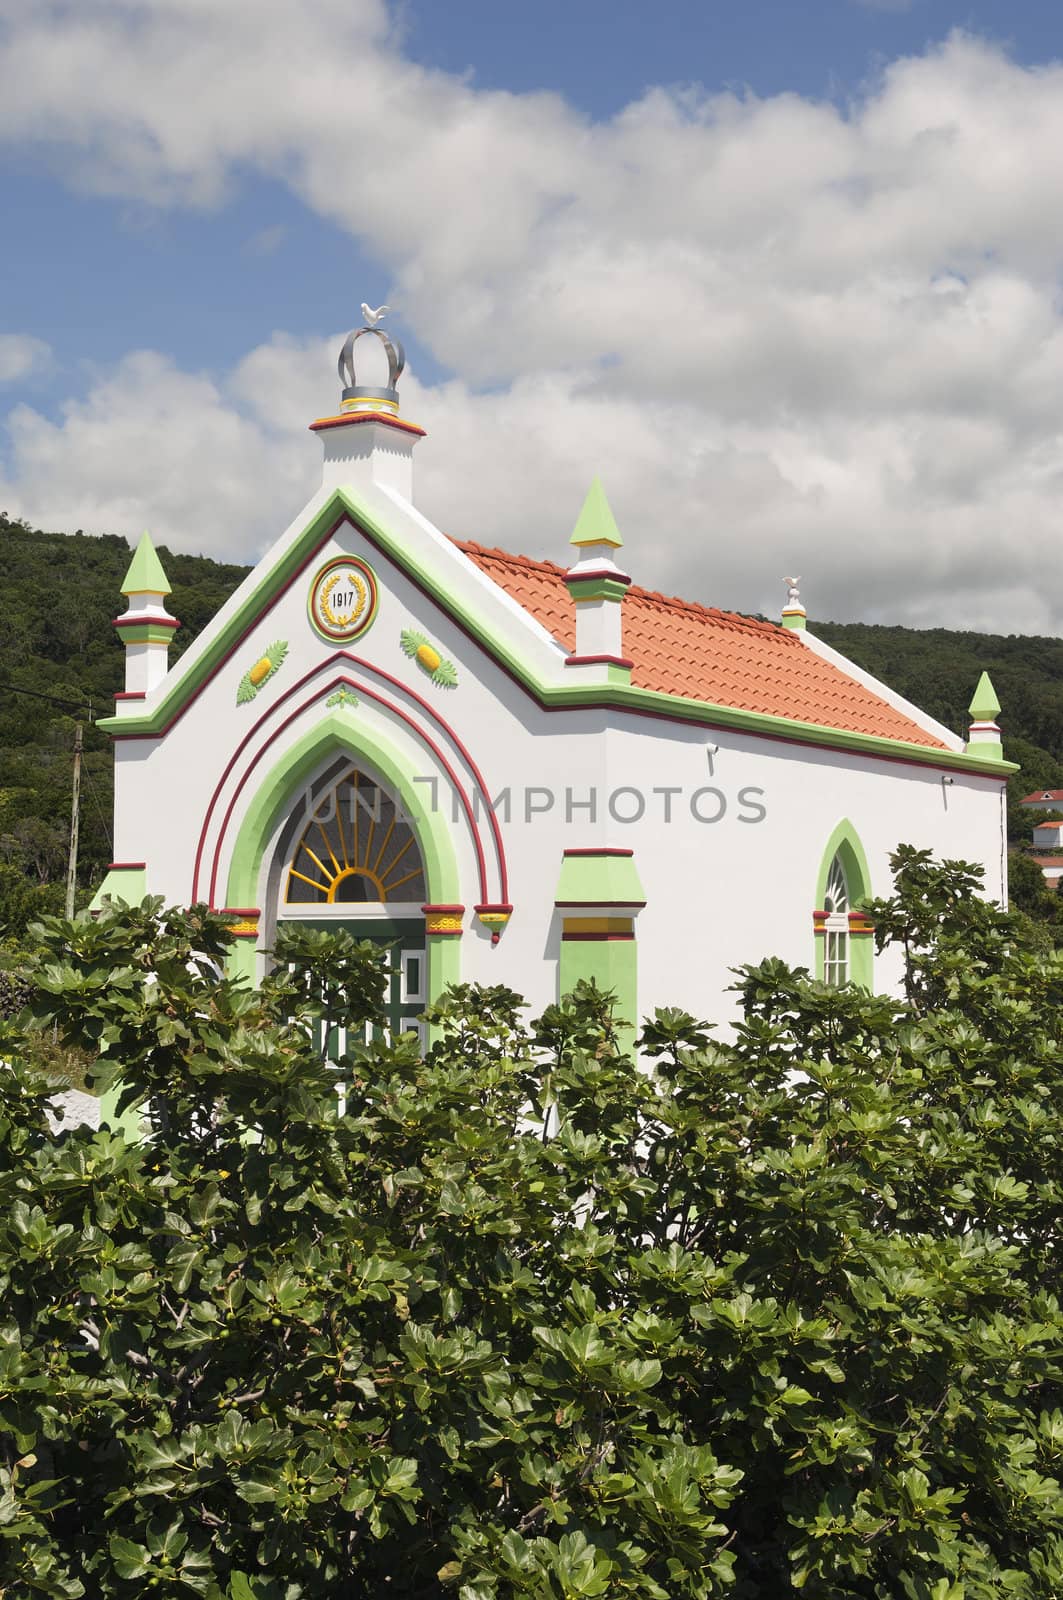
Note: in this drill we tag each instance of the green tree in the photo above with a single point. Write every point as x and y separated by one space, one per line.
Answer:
774 1317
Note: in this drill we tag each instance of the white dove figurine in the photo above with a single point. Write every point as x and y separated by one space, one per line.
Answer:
372 317
793 598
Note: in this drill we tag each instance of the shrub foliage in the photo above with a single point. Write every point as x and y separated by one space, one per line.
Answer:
775 1316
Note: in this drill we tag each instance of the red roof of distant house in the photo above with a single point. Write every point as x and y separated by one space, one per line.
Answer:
1048 861
1042 796
699 653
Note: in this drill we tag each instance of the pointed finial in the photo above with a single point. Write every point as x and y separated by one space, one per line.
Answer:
984 706
983 737
145 574
596 523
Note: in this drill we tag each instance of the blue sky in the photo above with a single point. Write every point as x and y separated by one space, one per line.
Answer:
805 194
97 276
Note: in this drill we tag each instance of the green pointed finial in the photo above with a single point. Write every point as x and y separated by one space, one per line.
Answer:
596 523
984 706
145 575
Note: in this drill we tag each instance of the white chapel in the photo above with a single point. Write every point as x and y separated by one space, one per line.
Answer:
516 770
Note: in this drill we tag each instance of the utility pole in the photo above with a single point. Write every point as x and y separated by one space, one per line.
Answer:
75 808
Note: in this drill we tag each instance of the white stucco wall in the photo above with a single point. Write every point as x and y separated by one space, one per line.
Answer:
718 892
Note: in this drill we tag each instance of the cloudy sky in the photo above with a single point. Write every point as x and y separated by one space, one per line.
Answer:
787 276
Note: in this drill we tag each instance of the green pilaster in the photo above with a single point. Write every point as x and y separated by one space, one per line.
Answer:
613 964
599 877
599 894
127 883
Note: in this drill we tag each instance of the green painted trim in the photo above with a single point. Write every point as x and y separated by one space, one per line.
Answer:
595 588
599 880
795 620
499 646
145 573
127 884
145 633
613 964
596 523
131 1122
986 748
187 678
845 841
984 706
241 964
337 733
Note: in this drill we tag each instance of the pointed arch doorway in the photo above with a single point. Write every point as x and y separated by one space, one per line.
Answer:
348 857
276 813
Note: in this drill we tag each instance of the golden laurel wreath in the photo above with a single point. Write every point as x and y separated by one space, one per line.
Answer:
326 609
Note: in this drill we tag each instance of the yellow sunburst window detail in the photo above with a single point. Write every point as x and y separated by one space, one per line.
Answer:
356 848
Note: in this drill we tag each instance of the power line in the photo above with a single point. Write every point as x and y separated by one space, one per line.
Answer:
37 694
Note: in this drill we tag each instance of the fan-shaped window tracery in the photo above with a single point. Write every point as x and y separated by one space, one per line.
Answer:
357 848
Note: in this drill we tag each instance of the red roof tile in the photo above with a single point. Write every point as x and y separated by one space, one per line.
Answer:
703 654
1040 795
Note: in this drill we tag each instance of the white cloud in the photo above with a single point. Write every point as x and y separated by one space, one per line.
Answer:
786 331
20 355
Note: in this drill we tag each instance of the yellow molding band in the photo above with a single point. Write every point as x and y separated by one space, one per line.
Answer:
596 925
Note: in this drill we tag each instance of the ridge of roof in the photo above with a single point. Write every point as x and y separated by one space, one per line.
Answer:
636 591
715 658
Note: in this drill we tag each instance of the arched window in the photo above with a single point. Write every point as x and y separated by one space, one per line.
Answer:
356 848
844 936
836 925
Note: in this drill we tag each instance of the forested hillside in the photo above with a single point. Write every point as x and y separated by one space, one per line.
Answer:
60 662
60 658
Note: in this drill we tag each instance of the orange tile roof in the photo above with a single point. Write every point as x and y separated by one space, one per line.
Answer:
1041 794
699 653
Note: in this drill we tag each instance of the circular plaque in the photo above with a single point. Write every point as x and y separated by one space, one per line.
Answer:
343 599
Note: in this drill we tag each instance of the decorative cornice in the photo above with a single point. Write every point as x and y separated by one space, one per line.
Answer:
342 505
352 418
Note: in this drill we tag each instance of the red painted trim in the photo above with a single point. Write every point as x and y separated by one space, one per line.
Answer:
564 905
443 933
131 694
507 909
589 575
441 722
127 866
585 661
457 911
586 705
144 620
598 850
350 418
597 938
239 911
328 663
397 711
